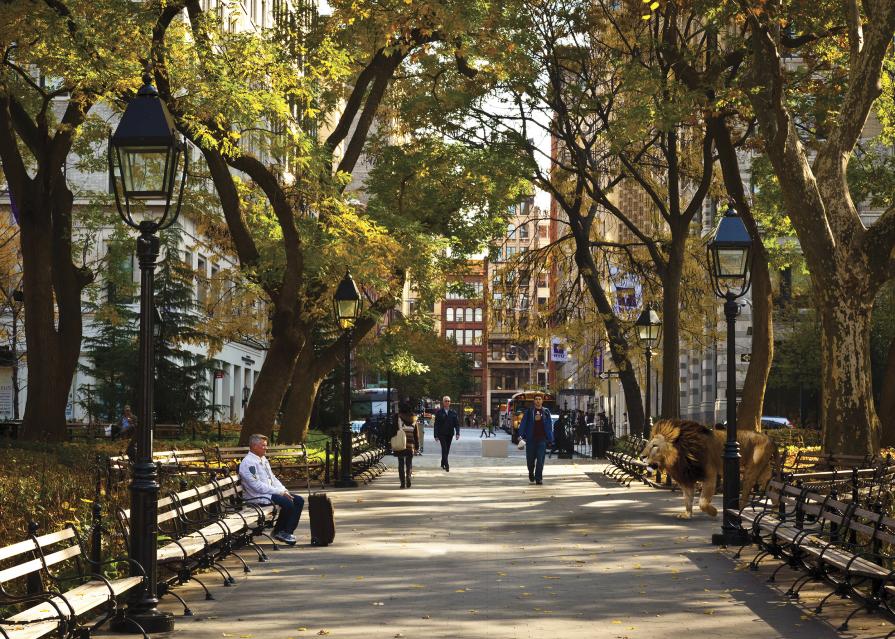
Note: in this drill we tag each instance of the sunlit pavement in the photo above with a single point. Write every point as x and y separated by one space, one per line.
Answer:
478 552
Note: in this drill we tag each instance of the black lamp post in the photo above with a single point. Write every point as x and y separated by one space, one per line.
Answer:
649 327
730 259
346 305
145 153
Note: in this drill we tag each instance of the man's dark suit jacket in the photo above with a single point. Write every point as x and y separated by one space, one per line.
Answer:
446 423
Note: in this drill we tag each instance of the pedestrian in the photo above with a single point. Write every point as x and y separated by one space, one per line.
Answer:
420 433
406 421
259 485
446 425
536 429
486 429
125 425
604 422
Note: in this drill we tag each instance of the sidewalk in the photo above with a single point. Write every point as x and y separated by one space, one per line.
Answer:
478 552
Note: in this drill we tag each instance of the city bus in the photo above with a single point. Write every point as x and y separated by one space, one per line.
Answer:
372 402
517 404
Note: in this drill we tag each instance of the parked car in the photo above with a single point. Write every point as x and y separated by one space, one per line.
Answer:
771 423
767 423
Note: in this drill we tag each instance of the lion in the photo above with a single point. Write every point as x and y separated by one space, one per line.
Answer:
690 452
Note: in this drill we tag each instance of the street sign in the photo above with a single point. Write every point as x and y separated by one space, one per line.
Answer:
219 374
746 357
608 374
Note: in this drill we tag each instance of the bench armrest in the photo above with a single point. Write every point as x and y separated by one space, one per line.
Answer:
46 596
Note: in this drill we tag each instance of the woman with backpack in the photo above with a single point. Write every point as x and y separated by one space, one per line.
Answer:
405 442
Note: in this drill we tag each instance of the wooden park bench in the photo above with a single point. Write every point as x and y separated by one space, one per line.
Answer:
198 527
624 460
168 431
366 458
77 430
51 587
836 539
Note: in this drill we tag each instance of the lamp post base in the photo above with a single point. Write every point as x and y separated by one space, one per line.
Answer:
152 621
736 537
345 483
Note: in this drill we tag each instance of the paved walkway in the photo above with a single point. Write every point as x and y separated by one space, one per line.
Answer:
477 552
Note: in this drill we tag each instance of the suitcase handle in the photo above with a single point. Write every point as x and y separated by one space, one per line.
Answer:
307 468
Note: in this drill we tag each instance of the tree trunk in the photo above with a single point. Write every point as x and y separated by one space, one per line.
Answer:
273 379
754 387
618 343
752 403
846 384
53 326
671 328
886 409
299 403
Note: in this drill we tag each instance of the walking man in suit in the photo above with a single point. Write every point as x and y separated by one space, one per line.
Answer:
537 431
446 425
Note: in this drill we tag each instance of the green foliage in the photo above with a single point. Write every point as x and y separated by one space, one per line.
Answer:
882 332
182 375
111 348
797 352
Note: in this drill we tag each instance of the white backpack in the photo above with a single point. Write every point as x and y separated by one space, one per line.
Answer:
399 440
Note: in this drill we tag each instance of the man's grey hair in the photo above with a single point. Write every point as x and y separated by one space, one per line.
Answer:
257 439
446 398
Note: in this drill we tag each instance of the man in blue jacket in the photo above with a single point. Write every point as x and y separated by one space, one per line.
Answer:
536 429
446 424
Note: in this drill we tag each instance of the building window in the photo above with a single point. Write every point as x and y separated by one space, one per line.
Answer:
477 360
477 337
468 335
449 335
511 232
449 314
523 232
479 314
470 315
542 231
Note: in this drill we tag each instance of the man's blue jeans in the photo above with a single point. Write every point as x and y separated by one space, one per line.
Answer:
290 512
534 455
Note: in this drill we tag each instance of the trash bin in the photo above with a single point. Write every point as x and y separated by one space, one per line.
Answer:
599 443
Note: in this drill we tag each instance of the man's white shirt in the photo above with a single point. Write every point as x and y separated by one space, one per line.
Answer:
258 480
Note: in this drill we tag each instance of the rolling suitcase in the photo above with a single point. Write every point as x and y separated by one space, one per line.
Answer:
320 512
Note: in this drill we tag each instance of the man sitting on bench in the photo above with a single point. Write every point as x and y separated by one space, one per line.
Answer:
260 485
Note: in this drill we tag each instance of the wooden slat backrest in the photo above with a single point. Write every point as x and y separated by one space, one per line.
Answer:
166 511
19 548
55 537
20 570
189 493
194 454
73 549
61 555
196 498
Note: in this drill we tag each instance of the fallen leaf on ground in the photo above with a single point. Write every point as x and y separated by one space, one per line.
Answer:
323 632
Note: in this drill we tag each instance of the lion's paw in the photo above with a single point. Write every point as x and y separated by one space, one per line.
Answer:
710 510
684 515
